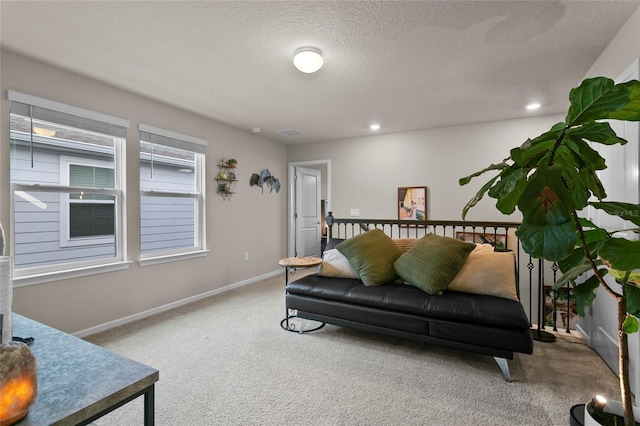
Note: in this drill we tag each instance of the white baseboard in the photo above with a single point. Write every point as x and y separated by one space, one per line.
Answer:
584 334
172 305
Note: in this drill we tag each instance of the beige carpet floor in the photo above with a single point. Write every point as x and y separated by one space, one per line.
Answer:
226 361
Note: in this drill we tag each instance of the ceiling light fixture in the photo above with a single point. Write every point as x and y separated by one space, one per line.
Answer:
375 127
533 106
308 59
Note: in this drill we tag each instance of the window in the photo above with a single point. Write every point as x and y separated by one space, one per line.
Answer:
86 219
172 207
67 187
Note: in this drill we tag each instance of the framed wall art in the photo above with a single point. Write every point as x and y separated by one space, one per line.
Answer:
412 203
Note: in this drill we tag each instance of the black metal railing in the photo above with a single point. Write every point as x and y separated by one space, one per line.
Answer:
534 277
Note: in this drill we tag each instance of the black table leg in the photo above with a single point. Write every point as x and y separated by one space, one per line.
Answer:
149 406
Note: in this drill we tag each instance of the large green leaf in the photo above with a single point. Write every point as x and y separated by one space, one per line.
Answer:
476 199
625 276
465 180
600 132
630 325
577 257
591 179
621 254
579 192
551 135
586 292
509 189
531 152
530 155
599 98
626 211
631 112
546 199
571 275
551 242
591 158
632 294
586 223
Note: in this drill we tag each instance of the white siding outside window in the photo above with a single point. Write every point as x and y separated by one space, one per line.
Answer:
172 188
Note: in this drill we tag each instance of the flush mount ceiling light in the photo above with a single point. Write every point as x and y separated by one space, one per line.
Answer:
533 106
308 59
375 127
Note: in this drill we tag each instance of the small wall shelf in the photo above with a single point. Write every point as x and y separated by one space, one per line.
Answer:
226 181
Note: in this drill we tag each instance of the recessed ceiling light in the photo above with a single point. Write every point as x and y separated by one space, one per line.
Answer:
533 106
375 127
308 59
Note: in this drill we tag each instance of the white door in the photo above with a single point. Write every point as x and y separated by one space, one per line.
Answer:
307 212
620 180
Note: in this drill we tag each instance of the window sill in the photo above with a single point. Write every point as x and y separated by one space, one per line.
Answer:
68 273
147 261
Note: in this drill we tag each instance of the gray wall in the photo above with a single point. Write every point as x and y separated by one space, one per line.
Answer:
249 222
366 172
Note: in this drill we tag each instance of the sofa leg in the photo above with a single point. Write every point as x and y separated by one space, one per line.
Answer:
504 367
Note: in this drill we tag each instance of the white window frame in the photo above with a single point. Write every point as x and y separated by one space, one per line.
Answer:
65 231
61 271
200 246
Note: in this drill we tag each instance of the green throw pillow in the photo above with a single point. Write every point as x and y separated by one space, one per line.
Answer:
432 262
372 254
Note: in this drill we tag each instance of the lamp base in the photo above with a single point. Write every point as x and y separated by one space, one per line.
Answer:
18 382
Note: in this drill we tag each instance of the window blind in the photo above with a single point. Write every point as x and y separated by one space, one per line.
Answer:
66 115
171 139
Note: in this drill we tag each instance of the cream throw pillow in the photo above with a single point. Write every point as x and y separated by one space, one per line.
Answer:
334 264
487 272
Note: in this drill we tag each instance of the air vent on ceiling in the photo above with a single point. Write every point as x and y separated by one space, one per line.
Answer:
291 132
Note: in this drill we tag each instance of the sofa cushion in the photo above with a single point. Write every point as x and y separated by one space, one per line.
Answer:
334 264
491 273
432 262
371 254
451 305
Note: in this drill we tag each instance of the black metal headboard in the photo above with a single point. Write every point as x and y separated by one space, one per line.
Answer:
534 277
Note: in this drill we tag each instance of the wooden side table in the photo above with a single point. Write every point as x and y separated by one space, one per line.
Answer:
291 265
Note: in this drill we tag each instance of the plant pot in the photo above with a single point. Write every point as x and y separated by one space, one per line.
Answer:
611 413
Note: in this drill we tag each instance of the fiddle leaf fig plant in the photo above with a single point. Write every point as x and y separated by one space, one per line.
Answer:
551 179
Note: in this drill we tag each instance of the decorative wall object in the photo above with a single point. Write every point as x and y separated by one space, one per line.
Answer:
265 179
412 203
227 177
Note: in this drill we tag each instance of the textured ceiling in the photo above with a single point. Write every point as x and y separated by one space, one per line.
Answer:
407 65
